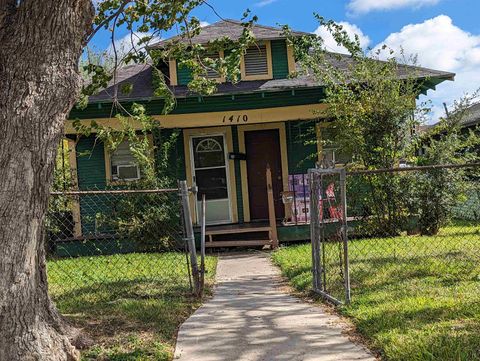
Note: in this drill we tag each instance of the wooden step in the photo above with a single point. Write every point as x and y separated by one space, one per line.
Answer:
243 243
212 232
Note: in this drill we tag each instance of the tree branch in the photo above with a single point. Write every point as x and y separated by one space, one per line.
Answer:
115 15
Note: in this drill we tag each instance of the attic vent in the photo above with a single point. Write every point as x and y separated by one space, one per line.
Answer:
211 73
256 62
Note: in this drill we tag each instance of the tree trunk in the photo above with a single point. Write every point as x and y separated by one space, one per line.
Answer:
40 45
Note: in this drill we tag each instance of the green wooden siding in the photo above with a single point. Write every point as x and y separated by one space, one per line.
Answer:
169 153
184 75
293 233
279 59
238 176
90 163
216 103
91 176
301 146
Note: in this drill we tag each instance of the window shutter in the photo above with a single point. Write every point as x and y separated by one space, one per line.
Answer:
211 73
255 60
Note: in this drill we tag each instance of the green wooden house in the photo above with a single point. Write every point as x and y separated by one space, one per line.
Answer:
226 139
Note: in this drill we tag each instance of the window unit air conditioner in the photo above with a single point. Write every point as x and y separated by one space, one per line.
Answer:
127 172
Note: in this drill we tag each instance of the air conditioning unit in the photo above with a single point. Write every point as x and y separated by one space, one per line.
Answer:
127 172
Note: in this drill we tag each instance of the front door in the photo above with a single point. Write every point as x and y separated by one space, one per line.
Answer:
210 173
262 148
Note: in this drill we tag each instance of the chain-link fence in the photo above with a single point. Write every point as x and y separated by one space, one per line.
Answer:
118 241
402 225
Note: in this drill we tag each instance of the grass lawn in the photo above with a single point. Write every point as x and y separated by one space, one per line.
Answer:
131 305
413 297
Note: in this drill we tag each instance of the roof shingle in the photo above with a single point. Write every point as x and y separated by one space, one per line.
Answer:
231 29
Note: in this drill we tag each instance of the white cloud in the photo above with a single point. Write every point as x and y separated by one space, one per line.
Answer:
366 6
204 23
351 29
263 3
442 45
130 42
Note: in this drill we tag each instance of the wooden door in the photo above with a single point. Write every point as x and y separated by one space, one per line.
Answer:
262 148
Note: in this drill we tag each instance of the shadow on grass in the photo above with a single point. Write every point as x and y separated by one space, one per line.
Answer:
132 319
423 305
129 319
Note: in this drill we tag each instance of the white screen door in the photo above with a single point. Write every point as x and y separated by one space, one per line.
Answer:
211 176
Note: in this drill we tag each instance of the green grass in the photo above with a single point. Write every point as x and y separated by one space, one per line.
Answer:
413 297
131 305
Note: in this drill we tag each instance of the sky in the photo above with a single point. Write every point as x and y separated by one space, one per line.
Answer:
444 34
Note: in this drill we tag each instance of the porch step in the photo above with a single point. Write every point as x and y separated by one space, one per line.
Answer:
240 243
233 230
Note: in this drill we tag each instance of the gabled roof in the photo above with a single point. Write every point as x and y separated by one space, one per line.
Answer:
231 29
140 76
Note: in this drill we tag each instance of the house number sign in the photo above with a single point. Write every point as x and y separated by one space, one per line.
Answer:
235 118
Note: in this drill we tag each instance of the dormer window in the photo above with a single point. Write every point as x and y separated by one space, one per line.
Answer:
257 62
212 73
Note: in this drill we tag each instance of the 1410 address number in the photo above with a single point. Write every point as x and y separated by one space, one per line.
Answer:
235 118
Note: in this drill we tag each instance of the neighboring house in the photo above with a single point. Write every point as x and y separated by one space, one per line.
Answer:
262 120
471 119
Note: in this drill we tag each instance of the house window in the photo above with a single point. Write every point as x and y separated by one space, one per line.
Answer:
124 165
256 62
333 156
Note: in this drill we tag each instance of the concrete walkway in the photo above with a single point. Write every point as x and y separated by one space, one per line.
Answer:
251 318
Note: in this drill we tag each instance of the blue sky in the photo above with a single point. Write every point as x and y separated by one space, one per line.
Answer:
444 33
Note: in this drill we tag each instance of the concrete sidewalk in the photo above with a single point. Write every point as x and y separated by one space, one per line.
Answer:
251 318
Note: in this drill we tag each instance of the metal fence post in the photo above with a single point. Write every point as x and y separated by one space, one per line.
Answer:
190 237
314 234
202 245
346 261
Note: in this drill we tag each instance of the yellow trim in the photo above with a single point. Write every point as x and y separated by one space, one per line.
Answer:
318 131
243 165
172 67
209 119
72 159
291 60
227 131
108 165
269 75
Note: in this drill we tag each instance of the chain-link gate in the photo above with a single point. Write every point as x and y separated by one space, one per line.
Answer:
402 223
328 227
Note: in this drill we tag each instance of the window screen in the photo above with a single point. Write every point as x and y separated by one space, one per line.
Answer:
124 164
255 60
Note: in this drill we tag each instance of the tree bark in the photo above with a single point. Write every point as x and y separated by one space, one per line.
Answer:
40 45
